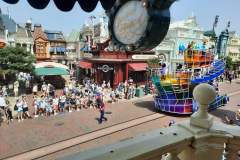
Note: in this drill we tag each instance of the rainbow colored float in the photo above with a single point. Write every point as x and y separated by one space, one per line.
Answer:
173 93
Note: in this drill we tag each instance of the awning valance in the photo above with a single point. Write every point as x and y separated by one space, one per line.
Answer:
51 71
84 64
67 5
137 66
50 68
50 65
57 49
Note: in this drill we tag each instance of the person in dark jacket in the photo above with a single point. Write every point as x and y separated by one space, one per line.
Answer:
101 107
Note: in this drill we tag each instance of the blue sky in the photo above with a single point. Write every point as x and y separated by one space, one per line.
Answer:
53 19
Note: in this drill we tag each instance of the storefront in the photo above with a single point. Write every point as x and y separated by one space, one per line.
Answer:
115 67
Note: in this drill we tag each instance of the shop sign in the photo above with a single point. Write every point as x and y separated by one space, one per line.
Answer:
87 55
162 57
144 57
105 68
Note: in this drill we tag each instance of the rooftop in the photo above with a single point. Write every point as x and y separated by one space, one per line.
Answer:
38 32
54 35
9 23
73 36
189 23
22 33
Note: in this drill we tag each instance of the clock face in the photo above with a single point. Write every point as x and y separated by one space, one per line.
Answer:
130 22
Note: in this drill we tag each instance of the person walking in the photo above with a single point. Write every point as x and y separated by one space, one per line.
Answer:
101 107
230 78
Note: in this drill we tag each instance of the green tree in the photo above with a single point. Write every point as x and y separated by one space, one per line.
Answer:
14 60
153 63
229 63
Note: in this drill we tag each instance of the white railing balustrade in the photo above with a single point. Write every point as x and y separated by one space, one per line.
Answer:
201 138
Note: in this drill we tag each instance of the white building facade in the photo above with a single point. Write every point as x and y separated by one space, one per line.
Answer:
22 37
233 47
180 33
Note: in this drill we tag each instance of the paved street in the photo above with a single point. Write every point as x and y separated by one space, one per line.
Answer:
34 133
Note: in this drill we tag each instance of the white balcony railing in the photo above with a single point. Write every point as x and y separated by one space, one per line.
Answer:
201 138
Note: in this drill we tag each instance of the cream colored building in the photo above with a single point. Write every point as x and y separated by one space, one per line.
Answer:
22 37
233 48
180 33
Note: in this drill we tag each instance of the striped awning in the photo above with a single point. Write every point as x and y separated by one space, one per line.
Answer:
57 49
137 66
86 65
50 65
50 68
67 5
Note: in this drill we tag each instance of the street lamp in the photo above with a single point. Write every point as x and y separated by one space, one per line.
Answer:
92 17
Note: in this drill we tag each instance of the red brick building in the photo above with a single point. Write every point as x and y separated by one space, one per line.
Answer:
115 66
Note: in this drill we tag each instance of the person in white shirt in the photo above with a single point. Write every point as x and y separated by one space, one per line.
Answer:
25 107
35 89
19 105
44 88
2 102
55 105
108 85
16 88
36 102
62 101
103 84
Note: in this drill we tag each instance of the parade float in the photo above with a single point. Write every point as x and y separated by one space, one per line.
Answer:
174 92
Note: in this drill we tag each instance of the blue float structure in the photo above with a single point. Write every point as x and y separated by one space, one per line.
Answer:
173 92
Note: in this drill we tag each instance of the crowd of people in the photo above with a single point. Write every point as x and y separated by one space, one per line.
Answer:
73 97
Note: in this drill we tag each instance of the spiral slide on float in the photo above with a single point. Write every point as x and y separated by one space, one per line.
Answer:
216 71
174 95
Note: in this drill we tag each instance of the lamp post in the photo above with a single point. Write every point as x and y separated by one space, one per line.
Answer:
78 58
92 17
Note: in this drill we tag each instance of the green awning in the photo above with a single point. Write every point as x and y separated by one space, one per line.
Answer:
50 71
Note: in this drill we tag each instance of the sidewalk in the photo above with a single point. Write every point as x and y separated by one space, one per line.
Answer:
226 87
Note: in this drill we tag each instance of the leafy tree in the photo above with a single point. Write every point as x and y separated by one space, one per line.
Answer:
14 60
229 63
152 63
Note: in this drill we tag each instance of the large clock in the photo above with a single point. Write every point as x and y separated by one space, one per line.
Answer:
138 25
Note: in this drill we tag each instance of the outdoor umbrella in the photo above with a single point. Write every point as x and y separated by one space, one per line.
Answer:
67 5
50 68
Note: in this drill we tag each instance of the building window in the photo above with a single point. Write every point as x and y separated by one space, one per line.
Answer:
18 45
